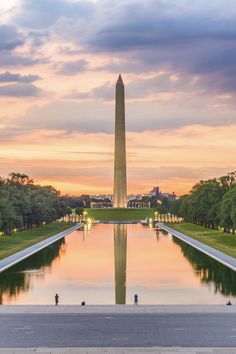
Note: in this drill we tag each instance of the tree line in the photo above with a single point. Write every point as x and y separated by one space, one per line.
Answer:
210 203
24 205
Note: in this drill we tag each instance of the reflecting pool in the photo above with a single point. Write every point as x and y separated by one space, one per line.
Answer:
108 264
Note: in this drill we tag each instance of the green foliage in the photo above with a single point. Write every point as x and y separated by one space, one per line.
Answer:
79 211
210 203
24 205
228 210
163 205
74 202
207 269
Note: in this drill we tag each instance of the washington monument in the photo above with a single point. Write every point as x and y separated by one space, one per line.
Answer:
120 188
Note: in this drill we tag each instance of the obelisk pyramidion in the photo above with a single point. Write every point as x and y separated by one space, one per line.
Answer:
120 188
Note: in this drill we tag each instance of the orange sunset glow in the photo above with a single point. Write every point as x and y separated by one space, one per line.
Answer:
57 86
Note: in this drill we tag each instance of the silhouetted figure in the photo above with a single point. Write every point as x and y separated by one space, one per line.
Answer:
83 303
228 303
56 299
135 300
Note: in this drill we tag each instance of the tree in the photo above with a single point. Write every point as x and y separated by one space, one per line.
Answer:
24 205
210 203
228 210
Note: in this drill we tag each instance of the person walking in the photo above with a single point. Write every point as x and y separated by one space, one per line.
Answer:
135 300
56 299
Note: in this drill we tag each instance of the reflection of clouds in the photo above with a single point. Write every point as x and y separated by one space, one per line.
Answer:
88 283
93 270
168 284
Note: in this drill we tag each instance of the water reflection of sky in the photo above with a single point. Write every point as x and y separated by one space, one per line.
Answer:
109 264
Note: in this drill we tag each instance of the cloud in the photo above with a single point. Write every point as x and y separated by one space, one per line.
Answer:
186 155
10 37
42 14
145 87
20 90
164 101
105 92
11 40
157 24
73 67
70 116
15 77
99 116
38 38
8 59
197 38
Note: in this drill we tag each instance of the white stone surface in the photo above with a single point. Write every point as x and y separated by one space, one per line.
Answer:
29 251
117 309
221 257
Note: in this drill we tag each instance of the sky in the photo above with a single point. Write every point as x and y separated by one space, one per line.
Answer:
59 62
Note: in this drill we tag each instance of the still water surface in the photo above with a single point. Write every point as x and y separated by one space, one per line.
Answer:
108 264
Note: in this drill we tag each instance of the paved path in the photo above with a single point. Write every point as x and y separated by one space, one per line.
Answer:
27 252
221 257
117 309
140 350
118 330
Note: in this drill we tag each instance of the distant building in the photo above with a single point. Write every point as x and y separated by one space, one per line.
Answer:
101 196
131 197
172 196
134 201
101 203
137 203
155 192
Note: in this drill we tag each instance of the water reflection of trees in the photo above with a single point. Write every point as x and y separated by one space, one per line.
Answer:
18 278
209 270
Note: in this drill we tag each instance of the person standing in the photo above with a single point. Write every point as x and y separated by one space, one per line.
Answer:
135 300
56 299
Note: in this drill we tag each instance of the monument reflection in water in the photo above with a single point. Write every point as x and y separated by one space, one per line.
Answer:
120 254
108 264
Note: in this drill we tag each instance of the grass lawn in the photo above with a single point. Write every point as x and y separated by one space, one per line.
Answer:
217 239
23 239
119 214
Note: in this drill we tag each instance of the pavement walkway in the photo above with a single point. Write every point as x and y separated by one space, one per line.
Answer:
140 350
29 251
221 257
119 332
117 309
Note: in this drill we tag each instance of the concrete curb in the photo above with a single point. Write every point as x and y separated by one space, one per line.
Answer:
220 257
29 251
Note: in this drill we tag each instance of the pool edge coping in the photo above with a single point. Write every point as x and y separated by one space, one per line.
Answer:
17 257
219 256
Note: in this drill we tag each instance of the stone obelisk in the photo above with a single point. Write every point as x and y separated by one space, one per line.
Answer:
120 188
